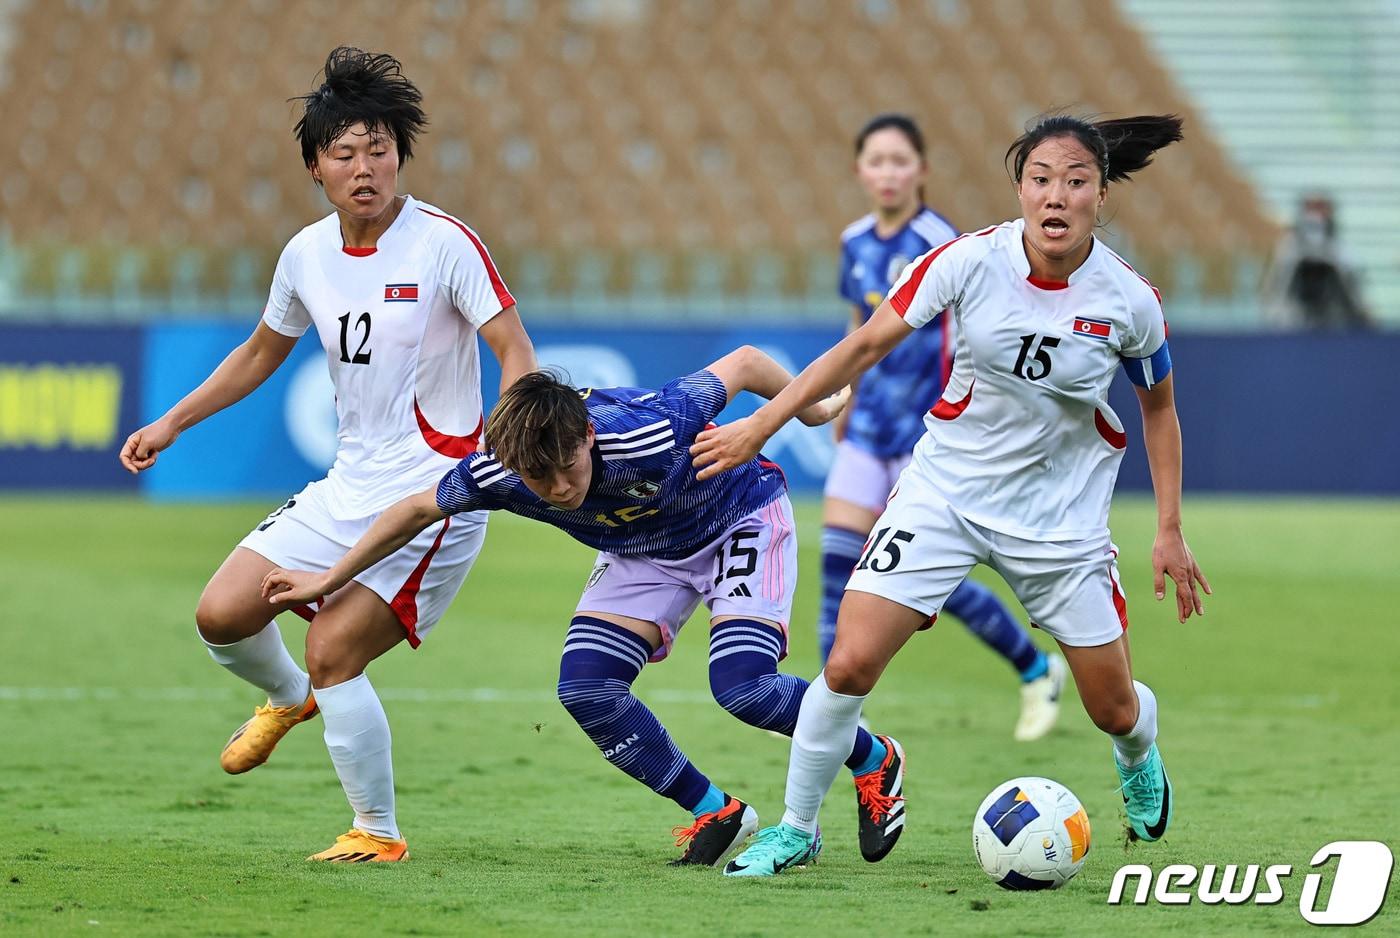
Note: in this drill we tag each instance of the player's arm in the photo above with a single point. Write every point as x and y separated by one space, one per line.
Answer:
751 369
838 426
510 343
246 367
400 523
1171 557
734 444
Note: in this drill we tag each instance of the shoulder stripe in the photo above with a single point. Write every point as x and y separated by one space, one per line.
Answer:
858 227
933 229
502 293
492 479
660 448
629 434
639 443
904 295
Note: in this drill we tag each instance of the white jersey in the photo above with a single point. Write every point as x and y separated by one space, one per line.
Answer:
398 323
1023 441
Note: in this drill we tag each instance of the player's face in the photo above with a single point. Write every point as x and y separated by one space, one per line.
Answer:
891 170
1060 192
567 486
360 172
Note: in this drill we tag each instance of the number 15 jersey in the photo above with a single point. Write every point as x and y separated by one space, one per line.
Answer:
1023 441
398 323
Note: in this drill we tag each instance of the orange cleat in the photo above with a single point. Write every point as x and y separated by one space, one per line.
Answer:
253 742
356 846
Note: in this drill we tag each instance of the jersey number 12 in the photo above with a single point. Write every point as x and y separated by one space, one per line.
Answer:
361 352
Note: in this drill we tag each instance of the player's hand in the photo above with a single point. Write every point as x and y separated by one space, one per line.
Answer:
141 448
725 447
827 410
294 586
1172 558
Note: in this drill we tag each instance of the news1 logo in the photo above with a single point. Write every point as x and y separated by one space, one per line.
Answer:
1359 884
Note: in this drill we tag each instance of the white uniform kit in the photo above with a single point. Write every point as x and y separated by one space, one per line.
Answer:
398 323
1017 467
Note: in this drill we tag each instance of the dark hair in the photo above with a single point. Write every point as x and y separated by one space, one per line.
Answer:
538 425
1120 147
360 87
899 122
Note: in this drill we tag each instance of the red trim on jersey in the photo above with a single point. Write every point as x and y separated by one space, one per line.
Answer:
358 252
305 611
1155 292
1120 602
502 294
902 297
1041 283
405 601
1115 438
770 464
929 624
947 410
458 447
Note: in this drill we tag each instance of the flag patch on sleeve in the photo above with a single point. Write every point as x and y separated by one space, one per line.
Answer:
1093 328
401 293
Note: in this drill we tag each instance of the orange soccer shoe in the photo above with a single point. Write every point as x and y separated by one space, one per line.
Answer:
253 742
356 846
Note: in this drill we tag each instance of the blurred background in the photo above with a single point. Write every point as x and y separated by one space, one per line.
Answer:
660 180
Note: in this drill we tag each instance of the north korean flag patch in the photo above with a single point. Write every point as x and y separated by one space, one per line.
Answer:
401 293
1093 328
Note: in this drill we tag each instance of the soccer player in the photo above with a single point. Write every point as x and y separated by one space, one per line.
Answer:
398 291
611 467
878 431
1017 467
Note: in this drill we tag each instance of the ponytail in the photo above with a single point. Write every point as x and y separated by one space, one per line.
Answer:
1120 147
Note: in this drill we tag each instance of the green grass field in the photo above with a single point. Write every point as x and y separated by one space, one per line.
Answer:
1278 724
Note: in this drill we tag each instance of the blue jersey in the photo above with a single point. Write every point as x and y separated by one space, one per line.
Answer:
643 499
893 396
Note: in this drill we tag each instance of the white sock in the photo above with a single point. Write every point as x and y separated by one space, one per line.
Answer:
262 660
826 730
357 735
1132 748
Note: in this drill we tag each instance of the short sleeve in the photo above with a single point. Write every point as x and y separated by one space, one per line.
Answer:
285 313
457 491
846 285
693 401
929 285
470 275
1144 351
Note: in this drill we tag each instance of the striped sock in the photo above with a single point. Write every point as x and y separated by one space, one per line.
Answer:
600 662
841 549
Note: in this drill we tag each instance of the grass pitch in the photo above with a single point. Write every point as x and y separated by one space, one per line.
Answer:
1278 715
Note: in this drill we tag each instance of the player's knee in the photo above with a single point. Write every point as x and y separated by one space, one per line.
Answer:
219 621
849 674
330 662
740 694
590 700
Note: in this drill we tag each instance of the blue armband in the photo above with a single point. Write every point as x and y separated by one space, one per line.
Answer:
1148 372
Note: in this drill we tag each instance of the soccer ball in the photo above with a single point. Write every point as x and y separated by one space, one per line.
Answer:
1031 833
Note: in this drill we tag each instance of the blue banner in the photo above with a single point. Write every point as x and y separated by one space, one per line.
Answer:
68 398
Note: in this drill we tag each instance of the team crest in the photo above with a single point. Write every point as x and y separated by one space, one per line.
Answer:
595 576
642 489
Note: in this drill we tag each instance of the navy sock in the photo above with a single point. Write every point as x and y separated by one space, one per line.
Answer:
600 662
987 618
841 549
745 681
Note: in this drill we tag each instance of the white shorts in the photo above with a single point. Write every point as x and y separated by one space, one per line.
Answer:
750 570
921 549
862 478
418 581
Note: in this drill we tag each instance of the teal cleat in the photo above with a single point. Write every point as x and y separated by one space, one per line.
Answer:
775 849
1147 796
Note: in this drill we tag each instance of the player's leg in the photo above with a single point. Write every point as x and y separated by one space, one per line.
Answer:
1072 591
1042 676
235 623
630 612
854 496
354 627
901 582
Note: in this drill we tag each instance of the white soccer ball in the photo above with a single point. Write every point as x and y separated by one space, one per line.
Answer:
1031 833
